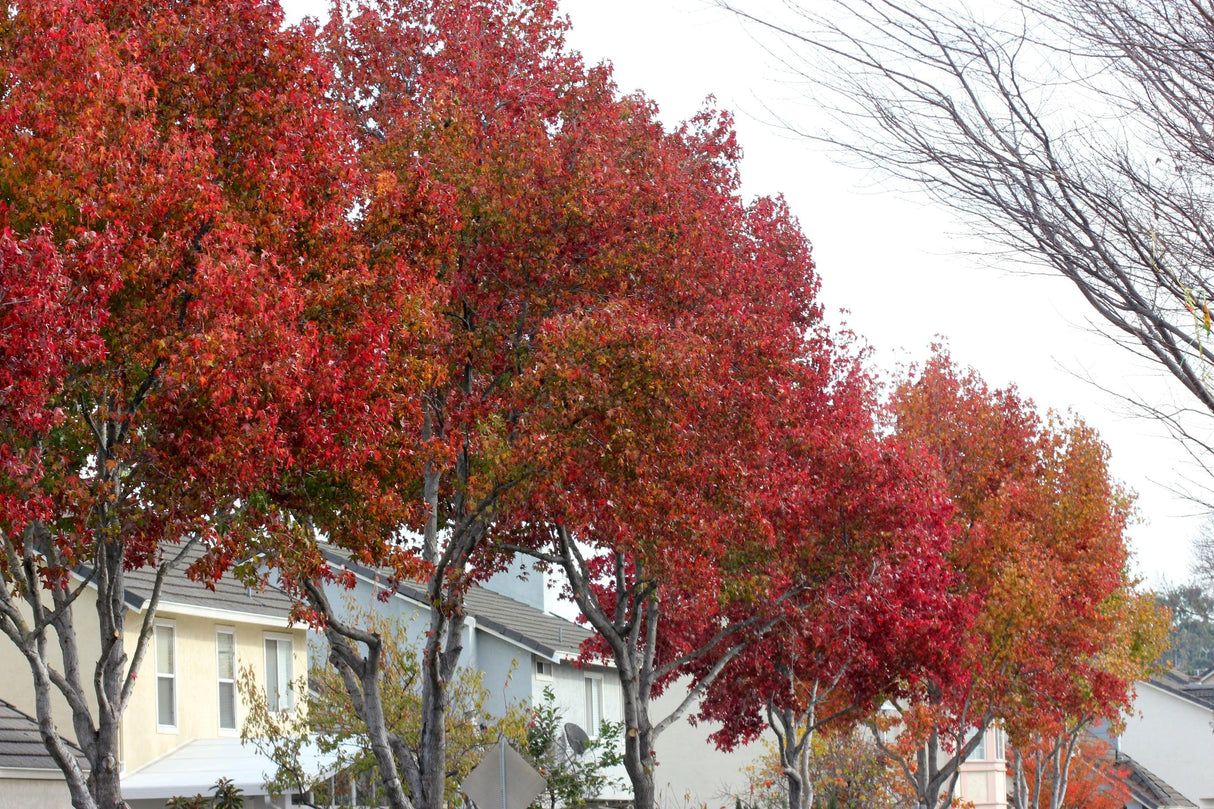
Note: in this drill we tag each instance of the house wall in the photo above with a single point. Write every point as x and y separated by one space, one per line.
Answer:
1171 737
568 684
353 605
17 686
691 771
250 802
197 683
521 582
508 671
19 791
982 778
197 678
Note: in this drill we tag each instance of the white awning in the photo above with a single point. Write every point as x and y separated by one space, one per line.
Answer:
195 766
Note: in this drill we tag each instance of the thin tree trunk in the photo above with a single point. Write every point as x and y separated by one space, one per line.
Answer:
360 676
794 735
444 646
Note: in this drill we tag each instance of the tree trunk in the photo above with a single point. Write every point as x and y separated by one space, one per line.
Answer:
629 624
794 732
798 798
105 783
444 646
360 676
638 748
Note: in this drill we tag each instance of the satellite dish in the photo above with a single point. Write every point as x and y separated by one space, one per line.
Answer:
578 739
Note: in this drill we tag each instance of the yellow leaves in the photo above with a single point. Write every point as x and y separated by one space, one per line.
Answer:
1061 629
386 183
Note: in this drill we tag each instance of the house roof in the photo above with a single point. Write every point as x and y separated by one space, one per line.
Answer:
547 634
1186 687
550 634
21 746
1149 789
228 594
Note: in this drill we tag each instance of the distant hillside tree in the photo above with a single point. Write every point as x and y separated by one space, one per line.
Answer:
1191 634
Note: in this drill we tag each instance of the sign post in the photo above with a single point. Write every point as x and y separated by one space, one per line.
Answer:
504 780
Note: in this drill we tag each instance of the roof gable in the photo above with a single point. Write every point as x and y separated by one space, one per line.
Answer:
537 631
1149 789
1194 691
21 746
228 595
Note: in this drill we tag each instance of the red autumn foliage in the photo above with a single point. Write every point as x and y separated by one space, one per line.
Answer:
600 299
1061 635
720 464
173 192
1094 778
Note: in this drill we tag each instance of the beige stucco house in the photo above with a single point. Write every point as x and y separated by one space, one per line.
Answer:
982 777
1170 732
181 729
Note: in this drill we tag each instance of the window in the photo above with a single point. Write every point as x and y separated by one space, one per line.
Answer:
278 673
225 664
543 670
166 676
594 705
979 752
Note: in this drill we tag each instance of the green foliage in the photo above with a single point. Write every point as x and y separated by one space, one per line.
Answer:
326 718
846 771
279 735
573 780
766 786
226 795
1191 634
199 801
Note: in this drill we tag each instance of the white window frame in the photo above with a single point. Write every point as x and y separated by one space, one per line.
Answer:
543 669
593 685
979 753
221 681
162 623
285 693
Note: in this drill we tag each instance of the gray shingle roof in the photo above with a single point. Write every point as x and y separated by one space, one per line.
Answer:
1151 790
1179 684
548 634
228 594
21 746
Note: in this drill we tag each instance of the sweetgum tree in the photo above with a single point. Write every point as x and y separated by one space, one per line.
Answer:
1061 635
613 331
1078 771
880 616
583 268
722 463
173 195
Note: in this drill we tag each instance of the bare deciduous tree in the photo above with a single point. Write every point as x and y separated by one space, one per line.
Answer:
1074 134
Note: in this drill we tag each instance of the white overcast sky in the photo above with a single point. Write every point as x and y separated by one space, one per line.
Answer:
893 260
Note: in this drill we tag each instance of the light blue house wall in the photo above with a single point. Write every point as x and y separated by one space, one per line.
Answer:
506 634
